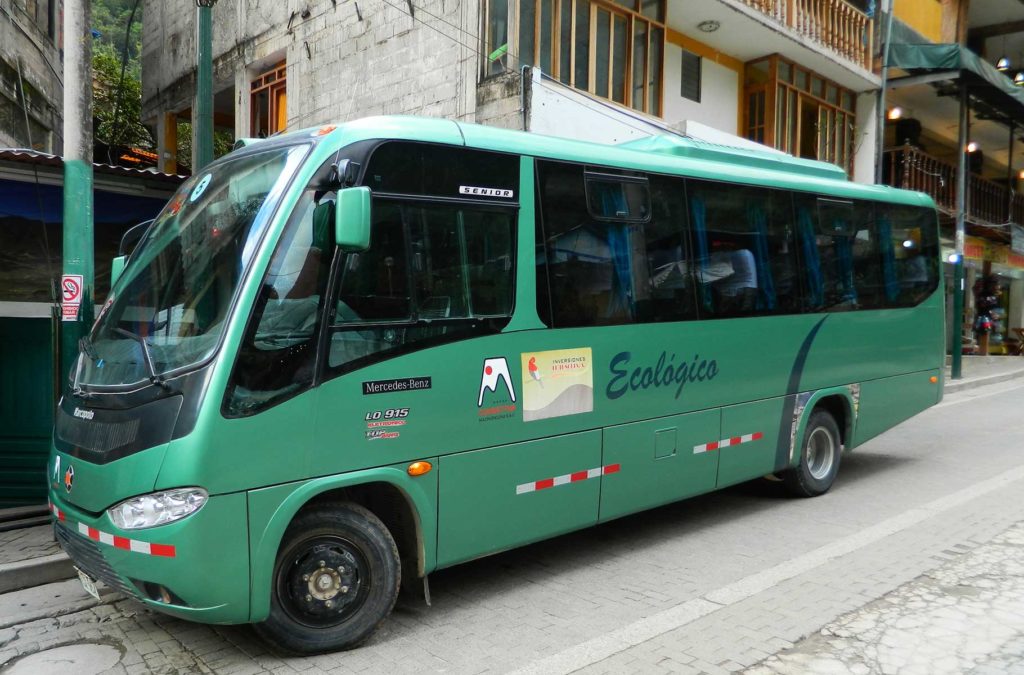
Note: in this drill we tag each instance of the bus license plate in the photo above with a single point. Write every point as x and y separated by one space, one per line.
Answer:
89 584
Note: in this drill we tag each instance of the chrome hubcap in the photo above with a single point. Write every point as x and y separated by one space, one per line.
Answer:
821 450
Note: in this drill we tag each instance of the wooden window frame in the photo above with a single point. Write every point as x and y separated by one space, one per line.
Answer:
274 81
631 17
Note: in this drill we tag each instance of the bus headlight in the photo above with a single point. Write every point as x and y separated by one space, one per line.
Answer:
157 508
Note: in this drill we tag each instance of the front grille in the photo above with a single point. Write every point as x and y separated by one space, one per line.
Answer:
88 557
95 435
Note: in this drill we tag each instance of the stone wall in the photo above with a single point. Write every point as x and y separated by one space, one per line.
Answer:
28 49
345 59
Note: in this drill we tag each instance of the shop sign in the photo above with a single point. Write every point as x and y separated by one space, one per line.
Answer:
974 248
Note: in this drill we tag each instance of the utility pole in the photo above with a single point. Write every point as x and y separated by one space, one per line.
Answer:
961 211
78 281
203 122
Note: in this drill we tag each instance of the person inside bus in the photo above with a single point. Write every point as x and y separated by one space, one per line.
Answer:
737 291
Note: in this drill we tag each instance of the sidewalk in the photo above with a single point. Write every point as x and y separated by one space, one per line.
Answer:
979 371
31 557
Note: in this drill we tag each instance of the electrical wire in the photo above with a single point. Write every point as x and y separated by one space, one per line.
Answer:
39 197
118 132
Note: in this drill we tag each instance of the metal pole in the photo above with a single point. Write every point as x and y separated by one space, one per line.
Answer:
880 126
204 85
1009 175
958 268
78 197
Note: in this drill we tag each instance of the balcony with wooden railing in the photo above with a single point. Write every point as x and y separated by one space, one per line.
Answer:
835 24
988 202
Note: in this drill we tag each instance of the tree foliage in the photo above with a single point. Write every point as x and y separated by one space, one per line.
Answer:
110 20
124 101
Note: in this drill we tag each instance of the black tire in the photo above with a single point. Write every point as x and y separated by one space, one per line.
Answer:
820 453
336 579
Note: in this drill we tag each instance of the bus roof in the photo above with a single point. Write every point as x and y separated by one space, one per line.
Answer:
665 153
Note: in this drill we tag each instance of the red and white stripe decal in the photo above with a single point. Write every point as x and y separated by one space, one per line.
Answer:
126 544
726 442
123 543
566 479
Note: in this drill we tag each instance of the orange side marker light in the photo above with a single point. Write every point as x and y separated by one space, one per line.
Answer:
419 468
933 379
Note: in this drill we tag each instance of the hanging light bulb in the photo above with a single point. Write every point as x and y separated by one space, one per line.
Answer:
895 113
1003 64
972 147
1018 79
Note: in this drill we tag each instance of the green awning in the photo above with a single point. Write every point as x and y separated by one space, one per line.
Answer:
986 85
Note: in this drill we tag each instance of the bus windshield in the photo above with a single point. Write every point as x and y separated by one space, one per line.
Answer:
170 308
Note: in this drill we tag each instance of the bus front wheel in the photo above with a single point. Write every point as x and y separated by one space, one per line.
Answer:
335 580
819 457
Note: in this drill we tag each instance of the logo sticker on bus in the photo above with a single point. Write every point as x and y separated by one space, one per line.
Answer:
400 384
485 192
381 424
497 379
557 383
667 372
200 188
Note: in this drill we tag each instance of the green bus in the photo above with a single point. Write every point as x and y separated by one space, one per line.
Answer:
343 358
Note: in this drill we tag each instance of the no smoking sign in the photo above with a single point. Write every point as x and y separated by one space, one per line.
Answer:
71 295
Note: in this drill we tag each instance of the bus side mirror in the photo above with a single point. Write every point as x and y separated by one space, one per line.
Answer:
116 267
352 219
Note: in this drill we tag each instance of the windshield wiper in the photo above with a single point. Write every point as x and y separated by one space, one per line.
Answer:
85 346
153 376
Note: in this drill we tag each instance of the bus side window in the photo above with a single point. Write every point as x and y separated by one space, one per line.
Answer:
612 248
842 259
745 261
910 253
432 273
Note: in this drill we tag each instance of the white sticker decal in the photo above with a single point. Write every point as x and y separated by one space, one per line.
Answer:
495 369
200 187
485 191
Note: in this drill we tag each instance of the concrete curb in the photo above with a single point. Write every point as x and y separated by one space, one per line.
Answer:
953 386
35 572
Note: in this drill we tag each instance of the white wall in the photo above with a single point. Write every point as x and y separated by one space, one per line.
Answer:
865 138
719 94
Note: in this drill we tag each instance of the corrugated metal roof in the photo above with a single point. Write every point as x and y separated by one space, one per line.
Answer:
34 157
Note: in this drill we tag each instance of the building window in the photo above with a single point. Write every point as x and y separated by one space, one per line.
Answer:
799 112
612 50
268 102
690 79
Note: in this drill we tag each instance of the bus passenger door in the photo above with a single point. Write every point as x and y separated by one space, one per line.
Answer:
498 498
660 461
750 436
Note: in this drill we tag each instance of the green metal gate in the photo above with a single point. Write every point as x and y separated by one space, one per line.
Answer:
26 409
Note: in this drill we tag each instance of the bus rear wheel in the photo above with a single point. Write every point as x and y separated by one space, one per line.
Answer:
819 457
335 580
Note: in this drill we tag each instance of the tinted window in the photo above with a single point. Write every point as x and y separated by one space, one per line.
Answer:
432 273
611 250
443 171
841 255
910 253
744 248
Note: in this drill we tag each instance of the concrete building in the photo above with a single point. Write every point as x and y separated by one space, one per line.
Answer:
31 89
795 75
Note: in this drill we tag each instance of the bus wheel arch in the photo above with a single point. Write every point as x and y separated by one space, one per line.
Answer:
393 507
825 429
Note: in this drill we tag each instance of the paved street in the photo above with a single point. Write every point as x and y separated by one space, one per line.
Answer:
919 541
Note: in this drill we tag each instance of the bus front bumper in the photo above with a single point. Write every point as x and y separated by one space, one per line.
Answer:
196 568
